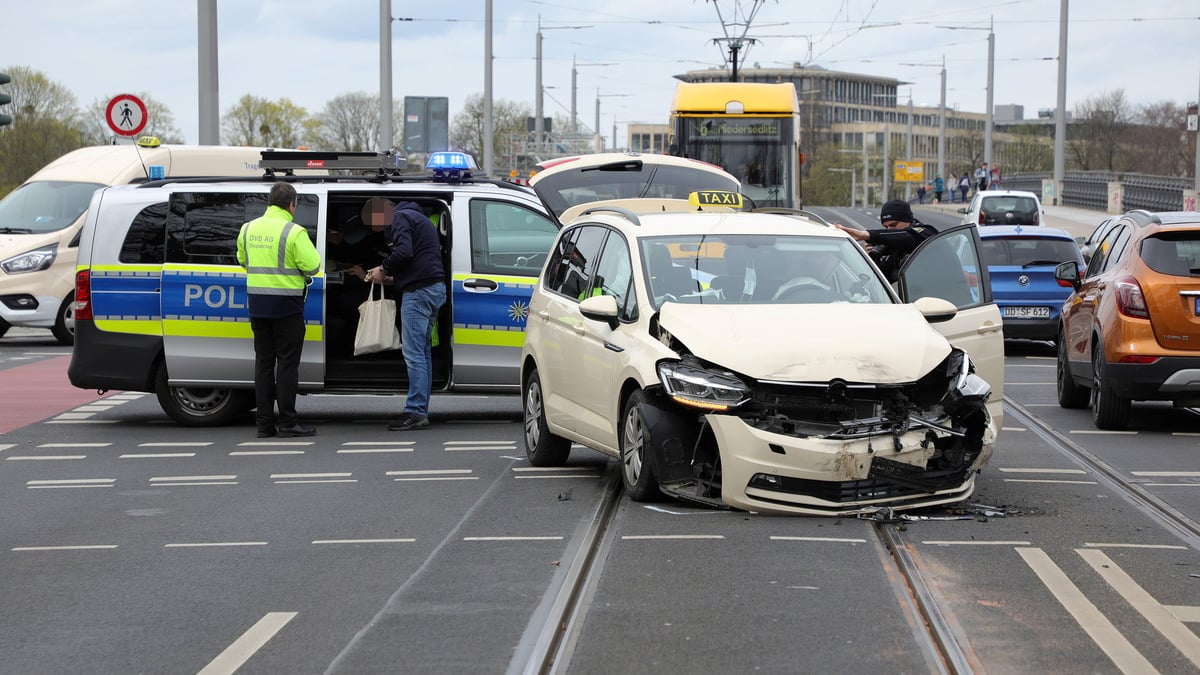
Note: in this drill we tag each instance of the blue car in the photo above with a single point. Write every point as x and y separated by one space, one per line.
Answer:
1020 262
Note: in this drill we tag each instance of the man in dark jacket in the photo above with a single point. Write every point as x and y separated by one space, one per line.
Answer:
901 235
415 266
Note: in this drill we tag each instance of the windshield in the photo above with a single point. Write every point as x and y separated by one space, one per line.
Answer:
628 180
44 206
1019 251
759 269
755 150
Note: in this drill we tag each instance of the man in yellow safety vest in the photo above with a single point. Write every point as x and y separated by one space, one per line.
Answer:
280 261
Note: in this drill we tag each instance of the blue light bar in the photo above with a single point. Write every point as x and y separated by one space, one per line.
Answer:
451 161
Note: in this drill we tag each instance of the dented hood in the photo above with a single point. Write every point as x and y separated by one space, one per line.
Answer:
879 344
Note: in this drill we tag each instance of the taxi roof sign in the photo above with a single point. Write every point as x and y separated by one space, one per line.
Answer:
725 198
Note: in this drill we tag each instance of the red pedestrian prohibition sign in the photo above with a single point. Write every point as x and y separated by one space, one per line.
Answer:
126 115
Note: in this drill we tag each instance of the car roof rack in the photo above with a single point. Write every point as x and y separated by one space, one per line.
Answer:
1142 217
781 210
287 161
626 213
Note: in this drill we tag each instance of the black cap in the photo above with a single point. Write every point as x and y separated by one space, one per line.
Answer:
896 209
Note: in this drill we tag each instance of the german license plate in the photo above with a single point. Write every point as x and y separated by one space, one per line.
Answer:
1026 312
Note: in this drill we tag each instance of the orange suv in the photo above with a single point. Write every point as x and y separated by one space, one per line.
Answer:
1131 329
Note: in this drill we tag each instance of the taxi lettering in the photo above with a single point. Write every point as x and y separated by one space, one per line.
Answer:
214 297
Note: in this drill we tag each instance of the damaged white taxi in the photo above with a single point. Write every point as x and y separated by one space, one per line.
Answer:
762 362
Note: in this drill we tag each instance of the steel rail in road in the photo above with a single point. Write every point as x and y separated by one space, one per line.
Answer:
550 637
1183 526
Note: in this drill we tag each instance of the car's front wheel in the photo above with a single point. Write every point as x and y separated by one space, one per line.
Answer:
201 406
541 446
64 323
636 472
1070 394
1109 411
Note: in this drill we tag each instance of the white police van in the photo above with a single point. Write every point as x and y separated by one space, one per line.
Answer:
160 302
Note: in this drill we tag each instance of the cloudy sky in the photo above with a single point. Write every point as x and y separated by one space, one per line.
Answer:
313 50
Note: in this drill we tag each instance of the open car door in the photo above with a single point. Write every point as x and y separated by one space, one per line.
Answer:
947 266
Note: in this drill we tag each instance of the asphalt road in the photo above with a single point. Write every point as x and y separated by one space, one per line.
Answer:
130 544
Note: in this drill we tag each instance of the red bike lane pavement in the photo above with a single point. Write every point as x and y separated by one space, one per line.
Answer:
38 391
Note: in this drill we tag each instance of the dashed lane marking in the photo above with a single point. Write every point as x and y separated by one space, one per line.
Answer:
972 542
41 457
371 451
60 420
1169 547
841 540
1167 474
84 547
264 453
374 443
236 654
636 537
70 483
155 455
1036 470
1046 480
1101 432
214 544
74 445
404 540
176 444
534 538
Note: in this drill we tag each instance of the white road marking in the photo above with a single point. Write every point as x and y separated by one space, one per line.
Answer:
1030 384
74 445
1171 474
56 487
1187 613
1034 470
1170 547
264 453
972 542
211 544
67 481
544 469
1170 484
89 547
124 397
5 446
482 448
317 480
364 541
91 408
438 478
238 653
830 539
428 472
479 442
174 444
672 536
1033 365
285 476
551 538
69 416
1041 405
37 457
369 451
60 420
1106 636
155 455
351 443
1174 630
272 443
1064 482
563 475
174 478
202 483
1101 432
107 403
1013 429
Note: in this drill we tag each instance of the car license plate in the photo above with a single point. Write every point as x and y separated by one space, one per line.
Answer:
1026 312
1197 306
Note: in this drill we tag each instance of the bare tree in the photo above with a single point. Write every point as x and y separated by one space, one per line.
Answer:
260 122
33 144
1096 138
466 131
1156 135
160 121
351 122
35 96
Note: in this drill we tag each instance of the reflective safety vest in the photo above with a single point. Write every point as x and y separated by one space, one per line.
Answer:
279 258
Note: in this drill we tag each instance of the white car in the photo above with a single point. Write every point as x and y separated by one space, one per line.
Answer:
1004 207
762 362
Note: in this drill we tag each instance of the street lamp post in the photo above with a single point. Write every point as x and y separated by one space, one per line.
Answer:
538 125
991 72
599 140
574 89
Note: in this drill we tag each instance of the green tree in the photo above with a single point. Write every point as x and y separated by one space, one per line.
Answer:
508 127
34 143
256 121
160 121
35 96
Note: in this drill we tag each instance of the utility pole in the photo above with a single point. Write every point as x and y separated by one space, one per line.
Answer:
991 77
206 42
942 123
1060 113
489 140
385 75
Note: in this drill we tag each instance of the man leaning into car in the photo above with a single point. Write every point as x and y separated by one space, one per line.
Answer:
901 235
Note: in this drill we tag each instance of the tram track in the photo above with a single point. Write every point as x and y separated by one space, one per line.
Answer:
1174 520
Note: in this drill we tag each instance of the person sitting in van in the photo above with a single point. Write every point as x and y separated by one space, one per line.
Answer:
350 250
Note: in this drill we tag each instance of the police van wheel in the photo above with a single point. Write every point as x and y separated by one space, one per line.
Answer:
201 406
64 325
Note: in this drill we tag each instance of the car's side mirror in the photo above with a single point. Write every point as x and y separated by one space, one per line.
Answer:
935 310
600 308
963 210
1067 274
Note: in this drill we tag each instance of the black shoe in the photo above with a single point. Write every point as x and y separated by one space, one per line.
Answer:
408 421
296 430
266 433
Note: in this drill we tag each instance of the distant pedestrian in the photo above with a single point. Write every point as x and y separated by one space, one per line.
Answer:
964 186
982 176
939 186
921 194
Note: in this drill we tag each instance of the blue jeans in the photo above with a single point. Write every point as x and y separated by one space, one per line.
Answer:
418 312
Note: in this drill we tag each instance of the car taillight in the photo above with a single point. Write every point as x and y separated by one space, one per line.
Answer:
1137 358
1130 300
83 295
982 217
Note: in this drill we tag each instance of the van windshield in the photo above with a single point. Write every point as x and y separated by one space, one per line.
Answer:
44 206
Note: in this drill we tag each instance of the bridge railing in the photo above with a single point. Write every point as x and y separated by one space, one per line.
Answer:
1090 189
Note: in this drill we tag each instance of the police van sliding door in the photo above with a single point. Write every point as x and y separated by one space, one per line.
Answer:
206 326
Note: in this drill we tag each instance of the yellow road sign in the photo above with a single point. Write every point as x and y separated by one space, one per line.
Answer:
908 172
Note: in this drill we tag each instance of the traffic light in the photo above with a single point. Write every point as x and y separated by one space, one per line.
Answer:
5 99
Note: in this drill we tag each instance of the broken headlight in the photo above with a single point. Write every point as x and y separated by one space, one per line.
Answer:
693 385
967 390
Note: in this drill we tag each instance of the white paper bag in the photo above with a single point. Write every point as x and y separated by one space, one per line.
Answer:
376 324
